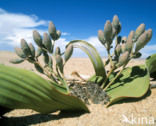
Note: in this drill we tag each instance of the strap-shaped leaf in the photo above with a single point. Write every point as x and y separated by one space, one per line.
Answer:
92 54
24 89
151 65
133 83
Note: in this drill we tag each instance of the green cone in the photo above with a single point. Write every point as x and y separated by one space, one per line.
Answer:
123 58
32 49
108 32
141 42
118 50
47 42
19 52
116 24
52 30
149 34
59 62
37 38
68 52
57 51
101 36
140 29
129 42
25 48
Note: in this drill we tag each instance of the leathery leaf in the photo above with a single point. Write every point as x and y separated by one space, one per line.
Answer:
151 65
133 83
22 89
92 54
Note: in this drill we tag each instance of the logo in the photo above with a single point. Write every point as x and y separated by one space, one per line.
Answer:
137 120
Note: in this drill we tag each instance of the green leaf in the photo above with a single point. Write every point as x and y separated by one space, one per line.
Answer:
93 55
133 83
151 65
22 89
96 79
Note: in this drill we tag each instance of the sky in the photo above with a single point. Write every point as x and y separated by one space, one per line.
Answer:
77 19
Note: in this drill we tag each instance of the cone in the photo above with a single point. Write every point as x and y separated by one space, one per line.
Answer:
47 42
57 51
20 53
68 52
118 50
141 42
37 38
59 63
101 36
32 49
129 42
115 21
123 58
52 30
108 32
25 48
149 34
116 24
140 29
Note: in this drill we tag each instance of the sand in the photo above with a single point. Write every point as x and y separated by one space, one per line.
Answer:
137 111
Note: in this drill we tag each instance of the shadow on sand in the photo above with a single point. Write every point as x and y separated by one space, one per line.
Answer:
36 119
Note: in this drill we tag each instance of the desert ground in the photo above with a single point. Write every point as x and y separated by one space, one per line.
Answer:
135 110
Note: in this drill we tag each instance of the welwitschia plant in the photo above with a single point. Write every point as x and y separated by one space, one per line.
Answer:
125 49
23 89
46 46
